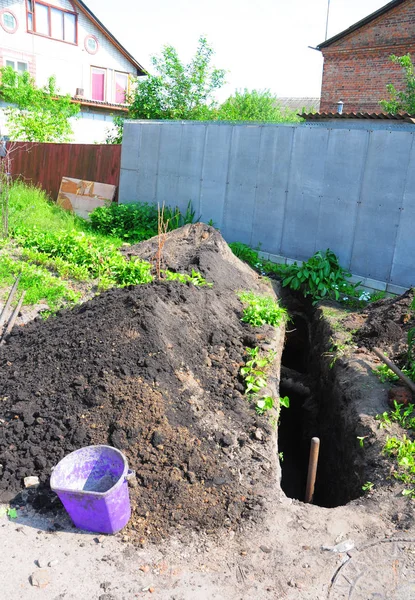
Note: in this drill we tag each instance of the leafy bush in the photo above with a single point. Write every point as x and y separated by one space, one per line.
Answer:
261 309
134 223
320 277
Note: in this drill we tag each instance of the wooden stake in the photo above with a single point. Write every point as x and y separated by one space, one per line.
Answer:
8 302
395 369
312 469
12 319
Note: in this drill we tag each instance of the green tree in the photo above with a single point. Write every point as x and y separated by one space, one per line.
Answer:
401 101
178 91
255 105
36 114
175 91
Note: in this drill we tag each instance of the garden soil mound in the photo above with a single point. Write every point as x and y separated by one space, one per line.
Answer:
386 323
154 371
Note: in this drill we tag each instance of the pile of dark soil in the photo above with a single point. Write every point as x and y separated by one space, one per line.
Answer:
152 370
386 323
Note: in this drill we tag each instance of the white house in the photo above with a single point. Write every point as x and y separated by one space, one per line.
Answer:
64 38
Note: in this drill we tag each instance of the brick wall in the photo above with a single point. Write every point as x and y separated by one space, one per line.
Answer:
357 68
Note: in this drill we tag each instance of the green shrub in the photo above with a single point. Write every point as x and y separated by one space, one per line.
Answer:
137 222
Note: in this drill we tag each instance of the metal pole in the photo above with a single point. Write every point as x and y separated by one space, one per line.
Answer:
312 469
327 20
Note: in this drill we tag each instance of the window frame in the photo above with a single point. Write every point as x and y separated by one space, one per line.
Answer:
105 71
4 11
15 61
91 37
115 86
49 7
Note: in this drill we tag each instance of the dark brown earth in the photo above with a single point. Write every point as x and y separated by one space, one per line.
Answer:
154 371
386 323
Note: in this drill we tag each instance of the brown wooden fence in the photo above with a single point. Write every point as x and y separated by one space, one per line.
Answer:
44 165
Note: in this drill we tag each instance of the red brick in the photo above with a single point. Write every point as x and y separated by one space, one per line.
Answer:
357 67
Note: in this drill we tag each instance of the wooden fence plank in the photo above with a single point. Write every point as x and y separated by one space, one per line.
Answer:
44 165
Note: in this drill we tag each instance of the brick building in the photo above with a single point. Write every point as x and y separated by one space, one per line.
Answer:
356 61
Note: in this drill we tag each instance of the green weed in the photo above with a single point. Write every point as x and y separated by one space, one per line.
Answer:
195 278
261 309
255 379
368 486
403 451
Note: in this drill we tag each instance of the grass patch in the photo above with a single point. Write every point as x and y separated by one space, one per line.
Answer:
40 285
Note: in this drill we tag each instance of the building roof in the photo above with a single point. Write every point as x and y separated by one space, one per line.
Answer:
295 103
87 12
359 24
99 104
373 116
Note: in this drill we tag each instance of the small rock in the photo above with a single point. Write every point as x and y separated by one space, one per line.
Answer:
132 480
339 548
53 563
40 578
227 440
157 439
144 568
266 549
31 482
191 477
258 435
42 563
105 585
243 553
99 540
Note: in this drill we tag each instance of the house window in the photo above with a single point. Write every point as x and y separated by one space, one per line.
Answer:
17 65
51 22
91 44
98 77
8 21
121 87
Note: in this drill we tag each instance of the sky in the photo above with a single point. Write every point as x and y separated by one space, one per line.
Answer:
262 44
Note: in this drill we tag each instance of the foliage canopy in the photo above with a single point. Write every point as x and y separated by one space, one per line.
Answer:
401 101
255 105
36 114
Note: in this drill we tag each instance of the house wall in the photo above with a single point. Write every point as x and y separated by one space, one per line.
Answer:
292 189
71 64
357 68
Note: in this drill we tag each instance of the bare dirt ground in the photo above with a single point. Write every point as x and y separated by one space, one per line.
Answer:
210 520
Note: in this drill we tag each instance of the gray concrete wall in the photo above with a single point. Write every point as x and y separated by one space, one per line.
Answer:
292 189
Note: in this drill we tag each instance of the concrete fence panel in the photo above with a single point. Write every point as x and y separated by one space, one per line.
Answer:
291 189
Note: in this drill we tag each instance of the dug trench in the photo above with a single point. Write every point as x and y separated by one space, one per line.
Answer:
319 407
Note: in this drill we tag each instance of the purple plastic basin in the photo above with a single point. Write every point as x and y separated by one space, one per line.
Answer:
92 485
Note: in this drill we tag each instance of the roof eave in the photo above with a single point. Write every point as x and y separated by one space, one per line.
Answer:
82 7
360 23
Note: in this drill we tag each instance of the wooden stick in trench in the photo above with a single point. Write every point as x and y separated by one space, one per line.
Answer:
312 469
